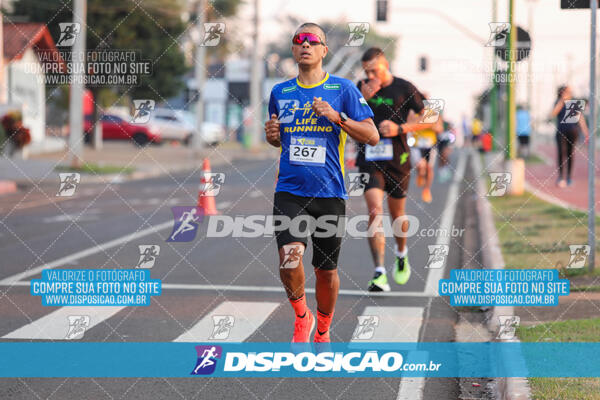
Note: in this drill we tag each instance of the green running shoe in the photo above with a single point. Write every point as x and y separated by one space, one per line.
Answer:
401 270
379 283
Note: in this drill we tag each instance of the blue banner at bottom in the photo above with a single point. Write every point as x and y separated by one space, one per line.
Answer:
85 359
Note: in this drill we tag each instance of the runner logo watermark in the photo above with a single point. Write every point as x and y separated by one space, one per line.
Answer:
68 183
287 109
143 109
185 223
573 110
212 182
292 256
499 183
432 111
358 33
212 33
68 33
579 254
366 327
148 254
498 34
252 226
357 182
77 326
437 255
222 326
508 326
207 359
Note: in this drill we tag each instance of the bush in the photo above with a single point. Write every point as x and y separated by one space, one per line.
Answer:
12 123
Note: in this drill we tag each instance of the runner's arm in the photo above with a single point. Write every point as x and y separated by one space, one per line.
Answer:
557 107
362 131
416 111
272 126
368 88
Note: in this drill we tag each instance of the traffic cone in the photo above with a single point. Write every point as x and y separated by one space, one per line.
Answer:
206 202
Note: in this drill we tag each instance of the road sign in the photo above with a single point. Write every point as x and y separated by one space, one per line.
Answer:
523 46
382 7
574 4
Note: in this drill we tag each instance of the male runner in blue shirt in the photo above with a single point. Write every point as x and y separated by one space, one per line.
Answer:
310 118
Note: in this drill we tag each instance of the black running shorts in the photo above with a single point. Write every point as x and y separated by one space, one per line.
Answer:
325 249
393 182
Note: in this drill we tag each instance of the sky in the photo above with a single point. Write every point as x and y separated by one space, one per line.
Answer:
460 65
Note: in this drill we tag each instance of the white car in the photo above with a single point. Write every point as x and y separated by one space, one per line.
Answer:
180 125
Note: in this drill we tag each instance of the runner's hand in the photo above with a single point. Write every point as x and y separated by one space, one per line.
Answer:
388 128
370 87
323 109
272 131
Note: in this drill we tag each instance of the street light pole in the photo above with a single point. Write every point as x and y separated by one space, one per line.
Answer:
200 76
511 109
494 94
76 93
255 82
592 142
530 66
2 80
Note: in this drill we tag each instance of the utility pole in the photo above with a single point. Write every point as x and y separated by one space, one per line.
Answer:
515 166
255 82
592 142
511 106
200 76
529 67
494 93
98 127
2 76
76 93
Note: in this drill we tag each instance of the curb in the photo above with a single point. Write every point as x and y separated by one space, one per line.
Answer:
507 388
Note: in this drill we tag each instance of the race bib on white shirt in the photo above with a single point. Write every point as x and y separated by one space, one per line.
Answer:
307 150
383 150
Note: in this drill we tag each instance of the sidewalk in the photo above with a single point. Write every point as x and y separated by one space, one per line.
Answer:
147 162
541 178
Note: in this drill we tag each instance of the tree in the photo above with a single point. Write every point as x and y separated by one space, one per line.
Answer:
152 27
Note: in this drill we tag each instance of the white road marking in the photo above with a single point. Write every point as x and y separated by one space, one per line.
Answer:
223 204
55 325
395 324
248 317
255 193
89 215
435 274
411 388
11 280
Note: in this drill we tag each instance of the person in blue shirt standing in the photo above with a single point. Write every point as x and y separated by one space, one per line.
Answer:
523 130
310 118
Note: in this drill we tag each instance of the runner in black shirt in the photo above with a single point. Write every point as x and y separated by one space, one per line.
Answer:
568 124
387 163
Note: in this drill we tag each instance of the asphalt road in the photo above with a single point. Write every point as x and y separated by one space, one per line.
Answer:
208 277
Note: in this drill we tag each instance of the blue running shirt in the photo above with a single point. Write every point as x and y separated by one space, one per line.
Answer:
312 148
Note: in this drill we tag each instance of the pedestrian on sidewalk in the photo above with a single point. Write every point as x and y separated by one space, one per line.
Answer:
523 130
569 122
